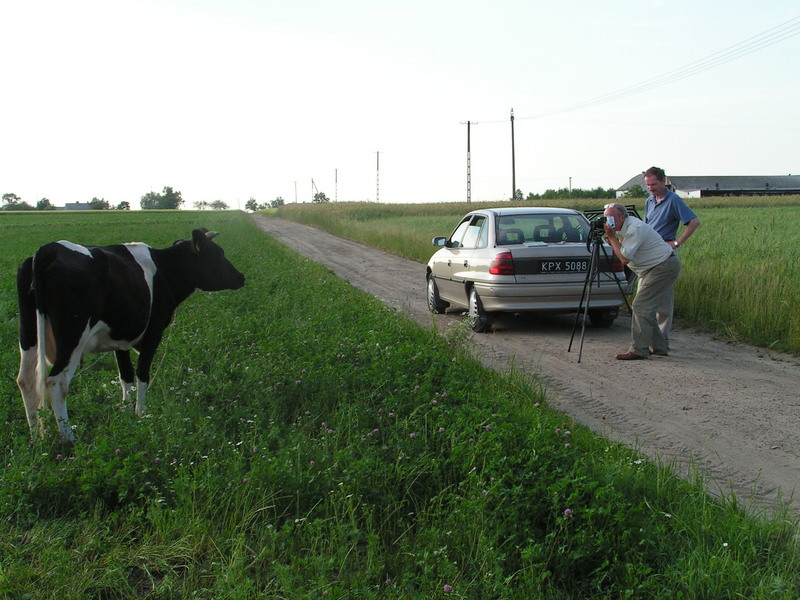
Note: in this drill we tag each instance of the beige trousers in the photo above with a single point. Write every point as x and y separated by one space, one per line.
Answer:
652 308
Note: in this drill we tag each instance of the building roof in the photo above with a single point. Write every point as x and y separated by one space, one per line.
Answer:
693 183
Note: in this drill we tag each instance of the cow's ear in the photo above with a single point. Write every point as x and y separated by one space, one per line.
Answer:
199 239
201 236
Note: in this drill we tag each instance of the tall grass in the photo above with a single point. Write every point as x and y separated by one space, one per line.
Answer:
305 441
740 276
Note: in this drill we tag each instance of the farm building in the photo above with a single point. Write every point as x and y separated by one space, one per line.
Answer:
76 206
703 186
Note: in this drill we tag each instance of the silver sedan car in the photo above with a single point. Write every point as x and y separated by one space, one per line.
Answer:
526 259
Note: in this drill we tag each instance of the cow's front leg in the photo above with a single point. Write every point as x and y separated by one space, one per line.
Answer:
141 402
125 367
143 379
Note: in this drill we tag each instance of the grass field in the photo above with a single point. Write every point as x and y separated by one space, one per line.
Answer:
306 442
740 274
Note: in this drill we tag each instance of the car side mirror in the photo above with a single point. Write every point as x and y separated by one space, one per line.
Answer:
440 242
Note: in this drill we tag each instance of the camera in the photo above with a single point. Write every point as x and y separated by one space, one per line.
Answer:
599 223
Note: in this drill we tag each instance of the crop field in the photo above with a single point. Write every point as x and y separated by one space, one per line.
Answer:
740 275
304 441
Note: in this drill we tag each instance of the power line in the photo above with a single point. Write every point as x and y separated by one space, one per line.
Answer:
748 46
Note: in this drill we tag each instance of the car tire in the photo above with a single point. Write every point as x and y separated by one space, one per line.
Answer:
435 303
602 319
479 320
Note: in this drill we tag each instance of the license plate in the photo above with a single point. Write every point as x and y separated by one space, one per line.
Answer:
564 265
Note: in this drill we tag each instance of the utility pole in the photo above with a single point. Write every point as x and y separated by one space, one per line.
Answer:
336 185
378 177
469 167
513 162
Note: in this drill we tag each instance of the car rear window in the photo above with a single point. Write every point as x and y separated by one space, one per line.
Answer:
541 228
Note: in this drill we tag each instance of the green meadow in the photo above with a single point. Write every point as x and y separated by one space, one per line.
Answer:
740 275
304 441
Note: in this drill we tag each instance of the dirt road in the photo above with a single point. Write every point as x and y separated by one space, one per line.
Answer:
731 410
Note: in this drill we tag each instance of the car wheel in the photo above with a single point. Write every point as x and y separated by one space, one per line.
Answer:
479 320
435 303
602 318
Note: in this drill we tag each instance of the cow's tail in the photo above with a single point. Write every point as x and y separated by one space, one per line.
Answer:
41 260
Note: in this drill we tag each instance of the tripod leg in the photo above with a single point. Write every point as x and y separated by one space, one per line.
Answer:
595 274
587 291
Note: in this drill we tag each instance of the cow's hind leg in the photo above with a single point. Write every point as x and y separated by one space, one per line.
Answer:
27 382
57 389
64 368
27 379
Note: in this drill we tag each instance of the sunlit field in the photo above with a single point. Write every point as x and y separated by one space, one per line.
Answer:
304 441
740 276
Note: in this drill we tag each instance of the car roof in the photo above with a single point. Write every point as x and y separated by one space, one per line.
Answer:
529 210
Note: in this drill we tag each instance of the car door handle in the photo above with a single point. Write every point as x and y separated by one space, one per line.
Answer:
448 262
466 263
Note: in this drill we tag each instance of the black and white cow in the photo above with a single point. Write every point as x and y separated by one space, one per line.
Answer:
77 300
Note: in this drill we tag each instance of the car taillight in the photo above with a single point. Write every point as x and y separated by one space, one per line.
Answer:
502 264
616 265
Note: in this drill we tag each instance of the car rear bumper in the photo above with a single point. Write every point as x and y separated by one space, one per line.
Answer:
540 297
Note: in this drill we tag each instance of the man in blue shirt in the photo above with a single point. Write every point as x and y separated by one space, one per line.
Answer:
664 211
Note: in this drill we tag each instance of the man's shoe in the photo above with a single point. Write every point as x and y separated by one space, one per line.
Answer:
630 356
658 353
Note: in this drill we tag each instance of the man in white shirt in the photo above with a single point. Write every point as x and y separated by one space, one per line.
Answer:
656 264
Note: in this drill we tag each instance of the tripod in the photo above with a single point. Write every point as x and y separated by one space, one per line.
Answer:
595 241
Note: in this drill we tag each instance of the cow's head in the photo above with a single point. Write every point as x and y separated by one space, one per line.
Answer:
215 272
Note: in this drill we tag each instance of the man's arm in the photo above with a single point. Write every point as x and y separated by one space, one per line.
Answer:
612 240
688 230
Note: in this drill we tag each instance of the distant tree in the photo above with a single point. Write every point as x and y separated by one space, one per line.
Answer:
99 204
219 205
518 195
44 204
320 197
201 205
171 199
277 202
150 201
567 194
636 191
253 206
167 199
14 202
124 205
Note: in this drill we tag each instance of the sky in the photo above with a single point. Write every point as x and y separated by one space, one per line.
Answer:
369 100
